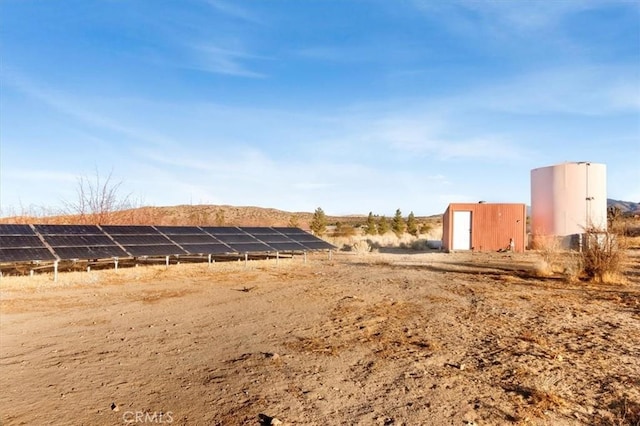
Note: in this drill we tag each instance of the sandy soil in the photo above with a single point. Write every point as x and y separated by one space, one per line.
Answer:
376 339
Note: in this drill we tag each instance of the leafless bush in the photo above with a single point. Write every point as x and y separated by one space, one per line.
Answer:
97 200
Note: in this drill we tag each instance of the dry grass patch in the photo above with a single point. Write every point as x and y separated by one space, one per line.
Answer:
535 393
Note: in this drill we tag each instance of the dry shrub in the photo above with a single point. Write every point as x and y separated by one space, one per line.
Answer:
632 242
418 245
552 259
541 392
361 247
603 257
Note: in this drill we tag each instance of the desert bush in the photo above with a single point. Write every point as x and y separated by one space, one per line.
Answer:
551 261
602 256
361 247
420 245
425 228
600 259
344 230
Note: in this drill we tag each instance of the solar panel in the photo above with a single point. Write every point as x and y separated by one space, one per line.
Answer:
180 230
318 245
97 252
142 240
240 238
257 231
20 241
291 246
155 250
207 249
78 240
127 229
305 238
68 229
25 254
291 231
10 229
274 238
194 239
221 230
250 247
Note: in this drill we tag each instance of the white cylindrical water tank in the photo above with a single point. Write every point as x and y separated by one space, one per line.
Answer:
568 199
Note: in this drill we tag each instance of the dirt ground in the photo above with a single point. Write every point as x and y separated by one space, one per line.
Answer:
366 339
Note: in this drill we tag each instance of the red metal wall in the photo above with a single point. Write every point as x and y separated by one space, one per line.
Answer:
492 225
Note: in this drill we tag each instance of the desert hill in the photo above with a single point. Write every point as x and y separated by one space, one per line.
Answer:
201 215
624 206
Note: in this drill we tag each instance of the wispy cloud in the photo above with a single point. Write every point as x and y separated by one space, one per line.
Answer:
580 90
521 17
443 138
218 60
82 110
234 10
39 175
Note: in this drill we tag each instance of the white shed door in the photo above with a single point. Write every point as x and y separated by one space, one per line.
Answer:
462 230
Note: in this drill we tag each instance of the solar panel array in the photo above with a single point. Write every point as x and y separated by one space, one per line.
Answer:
23 243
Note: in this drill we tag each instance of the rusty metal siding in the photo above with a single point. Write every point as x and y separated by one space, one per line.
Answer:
492 225
446 229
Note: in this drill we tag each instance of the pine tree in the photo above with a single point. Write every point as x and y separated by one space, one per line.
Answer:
397 224
383 225
371 228
412 225
319 222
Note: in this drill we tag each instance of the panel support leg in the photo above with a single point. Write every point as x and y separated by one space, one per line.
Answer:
305 257
115 262
55 271
246 260
277 258
209 261
167 261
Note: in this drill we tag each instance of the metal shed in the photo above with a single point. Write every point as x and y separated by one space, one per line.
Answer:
484 227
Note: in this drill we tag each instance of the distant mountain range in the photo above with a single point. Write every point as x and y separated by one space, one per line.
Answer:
624 206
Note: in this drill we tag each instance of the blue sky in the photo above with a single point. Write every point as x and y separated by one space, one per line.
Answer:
352 106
